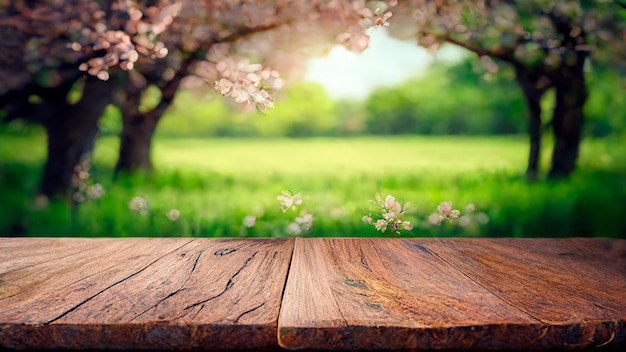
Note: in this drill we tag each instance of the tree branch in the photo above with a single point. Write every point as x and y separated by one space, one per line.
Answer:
480 51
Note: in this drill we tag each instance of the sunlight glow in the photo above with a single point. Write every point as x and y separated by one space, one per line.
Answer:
386 62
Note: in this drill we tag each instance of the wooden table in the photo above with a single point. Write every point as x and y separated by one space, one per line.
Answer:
312 294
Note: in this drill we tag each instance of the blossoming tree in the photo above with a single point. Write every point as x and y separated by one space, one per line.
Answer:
64 62
547 42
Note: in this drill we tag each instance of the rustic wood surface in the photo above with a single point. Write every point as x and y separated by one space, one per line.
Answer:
455 294
141 293
340 294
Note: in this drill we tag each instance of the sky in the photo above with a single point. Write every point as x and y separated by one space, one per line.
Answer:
386 62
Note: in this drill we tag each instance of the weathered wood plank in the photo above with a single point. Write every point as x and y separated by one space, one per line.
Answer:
142 293
421 294
575 282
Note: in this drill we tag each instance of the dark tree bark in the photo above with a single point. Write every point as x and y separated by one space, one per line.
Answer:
568 80
571 96
17 104
534 87
567 121
136 142
72 132
138 127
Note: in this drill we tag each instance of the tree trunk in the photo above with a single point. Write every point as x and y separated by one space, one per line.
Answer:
534 88
137 130
71 138
136 142
567 122
138 127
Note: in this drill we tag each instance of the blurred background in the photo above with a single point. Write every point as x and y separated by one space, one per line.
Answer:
453 119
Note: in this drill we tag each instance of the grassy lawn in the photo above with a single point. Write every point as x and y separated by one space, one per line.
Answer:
215 183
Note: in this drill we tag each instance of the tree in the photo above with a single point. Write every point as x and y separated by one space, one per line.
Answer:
548 43
225 35
57 47
113 51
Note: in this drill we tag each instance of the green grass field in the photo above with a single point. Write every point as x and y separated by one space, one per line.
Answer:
215 183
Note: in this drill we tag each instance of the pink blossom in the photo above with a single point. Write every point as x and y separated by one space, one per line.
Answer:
173 214
249 221
391 213
446 213
289 201
380 225
444 208
435 219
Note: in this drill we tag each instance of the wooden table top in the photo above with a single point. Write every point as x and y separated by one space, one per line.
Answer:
312 293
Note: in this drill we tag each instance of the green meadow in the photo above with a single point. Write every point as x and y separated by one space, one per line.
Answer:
212 184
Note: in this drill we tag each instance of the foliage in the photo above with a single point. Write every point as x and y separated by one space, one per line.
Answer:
606 108
529 32
52 42
119 50
305 110
449 99
196 115
547 43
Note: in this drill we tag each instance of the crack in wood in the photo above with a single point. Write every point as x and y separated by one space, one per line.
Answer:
287 277
193 317
114 284
364 264
248 311
195 264
363 261
225 251
229 284
180 289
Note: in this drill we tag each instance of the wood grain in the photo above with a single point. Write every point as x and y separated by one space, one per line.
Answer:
454 294
578 283
341 294
141 293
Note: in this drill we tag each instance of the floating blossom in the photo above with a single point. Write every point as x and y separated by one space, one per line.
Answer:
138 204
289 201
41 201
391 213
445 213
249 221
173 214
472 216
294 229
434 219
305 221
95 191
84 189
300 224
